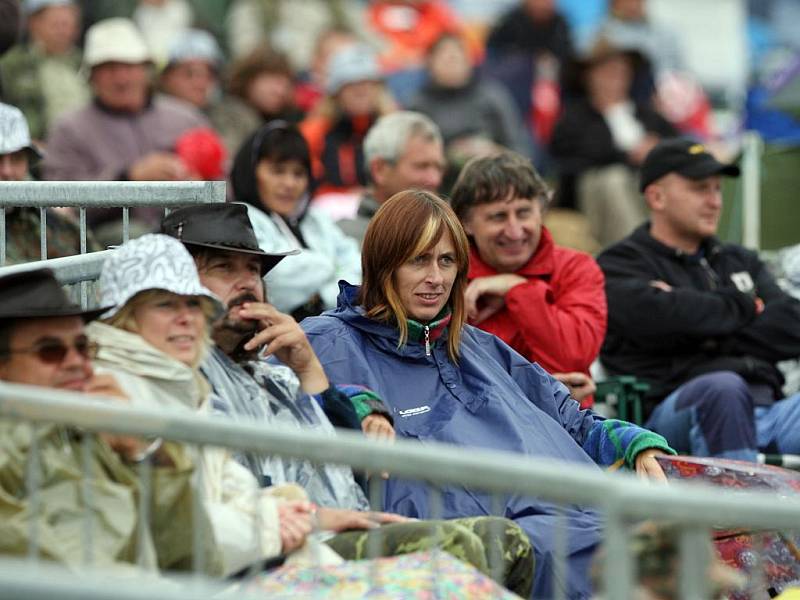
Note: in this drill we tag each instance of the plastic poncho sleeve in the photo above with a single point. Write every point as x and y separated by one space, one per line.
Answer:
606 441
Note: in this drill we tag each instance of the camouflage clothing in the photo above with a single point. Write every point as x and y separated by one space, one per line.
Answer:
23 241
492 545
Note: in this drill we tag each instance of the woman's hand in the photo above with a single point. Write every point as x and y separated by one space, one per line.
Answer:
295 522
338 519
647 466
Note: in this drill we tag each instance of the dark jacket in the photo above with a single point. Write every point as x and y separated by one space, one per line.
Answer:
582 141
514 46
707 322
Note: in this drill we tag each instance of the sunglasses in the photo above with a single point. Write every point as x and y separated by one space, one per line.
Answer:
54 352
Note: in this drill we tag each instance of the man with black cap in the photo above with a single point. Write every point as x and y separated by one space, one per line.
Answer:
42 343
247 388
701 321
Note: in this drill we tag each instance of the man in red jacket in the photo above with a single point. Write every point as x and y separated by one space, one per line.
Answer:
546 302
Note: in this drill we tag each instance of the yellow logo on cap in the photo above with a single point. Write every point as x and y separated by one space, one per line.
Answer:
697 149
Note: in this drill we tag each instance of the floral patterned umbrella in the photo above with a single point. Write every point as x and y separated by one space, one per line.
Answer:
778 552
433 575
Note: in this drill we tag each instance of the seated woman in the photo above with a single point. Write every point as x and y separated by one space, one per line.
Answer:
153 342
403 334
272 174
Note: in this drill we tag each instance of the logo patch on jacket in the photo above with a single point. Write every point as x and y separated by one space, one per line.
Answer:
743 282
413 412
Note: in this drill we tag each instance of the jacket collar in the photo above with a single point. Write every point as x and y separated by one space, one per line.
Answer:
641 235
541 264
385 335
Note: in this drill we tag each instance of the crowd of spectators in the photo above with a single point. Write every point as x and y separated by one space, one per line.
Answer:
393 168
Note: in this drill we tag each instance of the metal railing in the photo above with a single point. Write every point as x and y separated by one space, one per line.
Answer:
85 195
622 499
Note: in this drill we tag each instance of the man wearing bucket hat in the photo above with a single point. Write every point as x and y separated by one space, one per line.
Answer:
43 342
125 133
246 388
701 321
17 154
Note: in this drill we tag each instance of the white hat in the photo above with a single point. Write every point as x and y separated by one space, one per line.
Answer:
14 132
352 64
194 44
33 6
151 262
114 40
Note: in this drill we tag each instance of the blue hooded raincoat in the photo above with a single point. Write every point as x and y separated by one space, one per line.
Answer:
494 398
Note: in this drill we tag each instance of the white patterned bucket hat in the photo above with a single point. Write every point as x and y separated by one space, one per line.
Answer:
151 262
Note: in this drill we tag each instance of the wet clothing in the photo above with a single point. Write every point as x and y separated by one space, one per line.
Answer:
23 230
493 398
558 317
266 393
271 394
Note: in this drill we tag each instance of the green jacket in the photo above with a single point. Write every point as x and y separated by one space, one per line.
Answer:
112 502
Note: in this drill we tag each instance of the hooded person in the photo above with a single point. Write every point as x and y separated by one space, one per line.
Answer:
153 340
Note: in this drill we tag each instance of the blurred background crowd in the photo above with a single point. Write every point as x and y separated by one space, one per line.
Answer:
584 88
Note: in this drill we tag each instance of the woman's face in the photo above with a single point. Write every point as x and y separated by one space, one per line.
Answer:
281 185
173 324
424 282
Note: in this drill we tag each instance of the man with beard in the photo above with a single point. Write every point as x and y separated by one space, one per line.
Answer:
297 394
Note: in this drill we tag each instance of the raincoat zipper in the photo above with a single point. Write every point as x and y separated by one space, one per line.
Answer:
427 341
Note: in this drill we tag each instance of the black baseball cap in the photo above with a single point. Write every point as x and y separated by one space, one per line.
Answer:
683 156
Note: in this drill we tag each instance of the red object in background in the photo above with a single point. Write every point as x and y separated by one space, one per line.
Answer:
410 29
776 551
545 99
681 100
202 152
